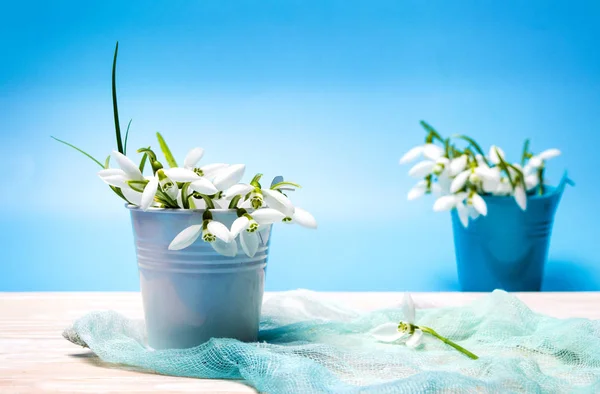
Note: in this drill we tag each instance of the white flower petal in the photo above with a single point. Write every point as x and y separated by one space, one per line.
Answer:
458 165
387 332
219 230
193 157
239 225
116 180
436 188
128 166
408 308
417 191
179 174
411 154
111 172
521 197
228 249
203 186
249 243
149 193
278 201
503 188
229 176
432 152
494 151
535 162
247 204
531 181
422 169
463 214
415 339
239 189
265 216
186 237
549 154
460 181
304 218
479 204
444 203
132 196
211 170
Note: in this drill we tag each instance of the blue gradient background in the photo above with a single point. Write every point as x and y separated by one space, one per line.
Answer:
328 93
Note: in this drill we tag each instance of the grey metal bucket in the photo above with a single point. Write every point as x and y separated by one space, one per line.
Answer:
195 294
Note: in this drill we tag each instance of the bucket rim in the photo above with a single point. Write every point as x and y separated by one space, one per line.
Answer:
178 211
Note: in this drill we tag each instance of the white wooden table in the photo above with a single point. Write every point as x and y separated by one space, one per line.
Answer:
34 357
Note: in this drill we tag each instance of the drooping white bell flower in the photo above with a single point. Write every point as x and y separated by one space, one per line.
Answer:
121 177
265 216
436 166
301 217
538 161
198 183
212 231
428 151
208 171
247 228
476 176
406 330
458 165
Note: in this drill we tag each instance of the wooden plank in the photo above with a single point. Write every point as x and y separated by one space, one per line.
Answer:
35 358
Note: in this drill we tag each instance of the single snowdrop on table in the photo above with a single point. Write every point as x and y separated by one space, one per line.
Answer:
463 177
408 332
205 188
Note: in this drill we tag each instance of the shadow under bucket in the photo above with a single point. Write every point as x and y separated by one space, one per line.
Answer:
195 294
508 248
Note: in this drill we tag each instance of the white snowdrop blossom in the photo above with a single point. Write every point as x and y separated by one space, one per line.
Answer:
408 332
462 179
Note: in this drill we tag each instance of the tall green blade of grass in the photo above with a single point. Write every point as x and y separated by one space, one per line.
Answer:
126 137
166 151
114 99
79 150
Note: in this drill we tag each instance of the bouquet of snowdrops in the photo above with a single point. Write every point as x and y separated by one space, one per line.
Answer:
460 177
206 187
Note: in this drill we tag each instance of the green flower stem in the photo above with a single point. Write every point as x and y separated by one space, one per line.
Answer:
540 174
234 201
208 201
449 342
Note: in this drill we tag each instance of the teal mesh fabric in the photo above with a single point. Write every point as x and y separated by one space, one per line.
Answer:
309 346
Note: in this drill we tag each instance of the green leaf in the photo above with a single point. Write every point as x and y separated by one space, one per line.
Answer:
256 180
285 183
431 130
126 137
79 150
475 145
525 151
114 100
143 162
166 151
184 195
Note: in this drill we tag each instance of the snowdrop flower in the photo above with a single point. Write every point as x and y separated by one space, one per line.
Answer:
213 232
538 161
123 176
436 163
208 171
406 329
409 332
429 151
247 226
301 217
476 176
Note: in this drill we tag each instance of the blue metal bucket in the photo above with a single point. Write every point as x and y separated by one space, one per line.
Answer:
195 294
508 248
